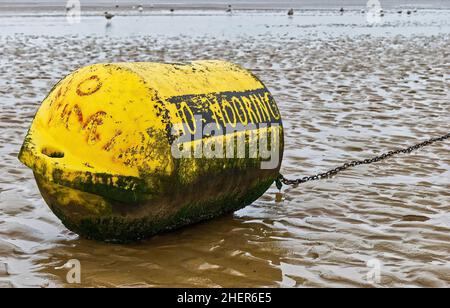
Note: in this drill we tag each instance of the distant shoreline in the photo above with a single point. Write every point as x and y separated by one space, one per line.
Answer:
28 7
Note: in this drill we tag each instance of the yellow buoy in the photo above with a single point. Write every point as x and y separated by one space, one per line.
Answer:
126 150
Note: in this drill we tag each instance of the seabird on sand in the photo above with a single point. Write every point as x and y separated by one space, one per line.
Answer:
108 16
291 12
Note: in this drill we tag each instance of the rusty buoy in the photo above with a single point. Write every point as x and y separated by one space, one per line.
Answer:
123 151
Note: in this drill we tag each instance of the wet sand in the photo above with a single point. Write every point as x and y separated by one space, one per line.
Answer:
342 97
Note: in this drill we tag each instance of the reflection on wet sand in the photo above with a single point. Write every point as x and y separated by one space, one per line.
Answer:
207 255
341 98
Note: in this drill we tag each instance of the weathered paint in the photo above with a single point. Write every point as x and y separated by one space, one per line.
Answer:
100 146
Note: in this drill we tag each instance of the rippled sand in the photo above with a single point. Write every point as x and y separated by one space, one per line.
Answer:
342 98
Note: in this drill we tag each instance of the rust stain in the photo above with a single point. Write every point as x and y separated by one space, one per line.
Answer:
89 91
95 119
63 113
109 145
91 125
78 112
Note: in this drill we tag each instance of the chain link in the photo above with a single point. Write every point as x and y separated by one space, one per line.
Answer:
295 182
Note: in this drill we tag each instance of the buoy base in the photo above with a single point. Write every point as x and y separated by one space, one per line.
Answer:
97 218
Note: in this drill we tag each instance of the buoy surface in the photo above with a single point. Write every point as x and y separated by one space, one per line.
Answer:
122 151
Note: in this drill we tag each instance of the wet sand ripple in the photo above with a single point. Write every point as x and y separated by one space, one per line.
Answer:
341 98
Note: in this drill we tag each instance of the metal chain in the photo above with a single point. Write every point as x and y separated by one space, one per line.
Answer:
295 182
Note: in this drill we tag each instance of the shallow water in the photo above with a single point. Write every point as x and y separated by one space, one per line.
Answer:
218 24
346 91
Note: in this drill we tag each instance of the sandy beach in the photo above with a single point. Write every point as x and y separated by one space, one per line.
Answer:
346 90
